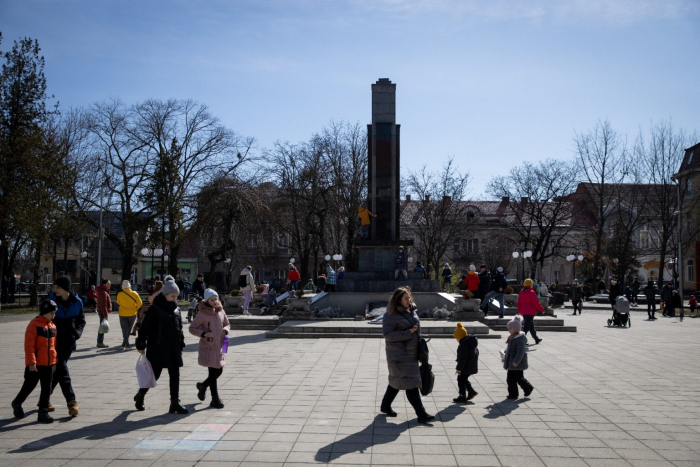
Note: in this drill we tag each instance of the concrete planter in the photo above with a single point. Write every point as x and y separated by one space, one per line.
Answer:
511 300
300 304
544 301
471 304
233 302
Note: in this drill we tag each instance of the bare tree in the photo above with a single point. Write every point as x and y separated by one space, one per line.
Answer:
601 154
439 214
660 155
539 212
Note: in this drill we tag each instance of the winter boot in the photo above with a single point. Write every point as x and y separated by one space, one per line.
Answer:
73 408
216 402
44 416
51 407
201 391
462 399
471 395
17 410
387 411
425 418
138 399
176 408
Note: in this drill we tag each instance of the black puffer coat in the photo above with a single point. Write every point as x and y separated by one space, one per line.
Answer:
468 355
160 334
402 347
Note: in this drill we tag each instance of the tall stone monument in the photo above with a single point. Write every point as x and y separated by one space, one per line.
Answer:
377 255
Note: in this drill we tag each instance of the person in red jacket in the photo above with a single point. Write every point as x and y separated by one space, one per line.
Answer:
104 307
92 297
294 277
473 280
528 306
39 359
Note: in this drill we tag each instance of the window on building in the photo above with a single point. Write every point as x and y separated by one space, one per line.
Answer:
251 241
690 270
690 157
644 239
689 187
470 216
471 245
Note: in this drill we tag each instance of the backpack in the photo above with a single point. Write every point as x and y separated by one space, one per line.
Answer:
242 281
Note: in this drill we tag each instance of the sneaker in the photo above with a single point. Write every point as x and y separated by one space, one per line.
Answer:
460 400
102 346
426 418
17 410
472 395
528 392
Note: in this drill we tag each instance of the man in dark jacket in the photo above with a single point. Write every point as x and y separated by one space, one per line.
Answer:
666 295
198 286
576 297
615 291
498 289
446 278
484 282
650 293
70 322
419 268
467 364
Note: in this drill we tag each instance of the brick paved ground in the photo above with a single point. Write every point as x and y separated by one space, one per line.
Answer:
604 397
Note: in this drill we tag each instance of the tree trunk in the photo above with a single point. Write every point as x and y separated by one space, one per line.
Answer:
34 298
127 259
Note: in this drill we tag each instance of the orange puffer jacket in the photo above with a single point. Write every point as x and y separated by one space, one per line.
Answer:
40 342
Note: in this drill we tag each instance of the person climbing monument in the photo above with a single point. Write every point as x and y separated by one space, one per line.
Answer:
364 214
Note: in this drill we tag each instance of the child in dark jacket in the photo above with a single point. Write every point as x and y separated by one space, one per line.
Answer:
39 359
467 364
515 359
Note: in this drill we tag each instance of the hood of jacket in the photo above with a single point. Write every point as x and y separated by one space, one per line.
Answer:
361 210
469 341
245 272
205 308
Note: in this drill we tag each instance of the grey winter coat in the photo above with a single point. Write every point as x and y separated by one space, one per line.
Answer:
402 348
516 352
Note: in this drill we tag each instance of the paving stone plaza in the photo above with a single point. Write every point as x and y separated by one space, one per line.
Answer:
604 397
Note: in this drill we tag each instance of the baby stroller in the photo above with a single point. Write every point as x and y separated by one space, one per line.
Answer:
621 313
193 308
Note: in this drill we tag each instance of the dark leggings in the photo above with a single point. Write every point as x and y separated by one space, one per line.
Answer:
210 382
516 378
651 308
174 373
464 385
42 374
412 395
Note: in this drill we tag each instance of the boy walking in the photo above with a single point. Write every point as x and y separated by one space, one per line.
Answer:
467 364
40 360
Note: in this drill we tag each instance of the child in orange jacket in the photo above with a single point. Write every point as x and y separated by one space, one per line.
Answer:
40 360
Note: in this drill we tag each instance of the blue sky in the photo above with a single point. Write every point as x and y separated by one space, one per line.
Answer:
492 83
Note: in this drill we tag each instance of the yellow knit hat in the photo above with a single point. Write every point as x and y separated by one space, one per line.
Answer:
460 332
527 283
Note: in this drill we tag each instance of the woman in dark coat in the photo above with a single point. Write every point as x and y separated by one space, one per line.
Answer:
401 329
161 339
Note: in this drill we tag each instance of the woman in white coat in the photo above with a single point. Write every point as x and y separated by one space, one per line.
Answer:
246 284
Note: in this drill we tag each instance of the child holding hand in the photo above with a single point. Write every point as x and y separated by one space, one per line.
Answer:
212 326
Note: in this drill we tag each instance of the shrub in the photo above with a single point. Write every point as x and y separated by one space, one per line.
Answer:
437 313
299 293
330 312
467 294
258 289
235 293
509 290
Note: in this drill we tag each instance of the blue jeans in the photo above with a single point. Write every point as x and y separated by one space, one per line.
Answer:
491 296
364 231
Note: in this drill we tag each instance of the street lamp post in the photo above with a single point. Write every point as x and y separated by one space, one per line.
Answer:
83 255
525 254
573 258
154 253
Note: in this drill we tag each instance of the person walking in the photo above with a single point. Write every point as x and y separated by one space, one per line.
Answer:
211 326
70 322
515 359
677 304
467 364
180 285
528 306
321 283
364 214
198 286
499 284
39 360
401 330
129 304
635 291
650 292
420 268
484 283
666 295
446 278
601 287
162 341
246 284
104 307
692 304
576 297
293 277
615 291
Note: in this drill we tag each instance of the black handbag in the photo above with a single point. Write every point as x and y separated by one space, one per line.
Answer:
423 351
427 378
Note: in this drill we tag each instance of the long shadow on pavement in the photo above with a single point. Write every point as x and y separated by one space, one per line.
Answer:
380 431
100 431
501 409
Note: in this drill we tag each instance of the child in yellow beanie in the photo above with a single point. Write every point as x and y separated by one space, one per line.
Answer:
467 364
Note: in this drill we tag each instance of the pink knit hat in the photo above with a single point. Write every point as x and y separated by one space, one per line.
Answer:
516 323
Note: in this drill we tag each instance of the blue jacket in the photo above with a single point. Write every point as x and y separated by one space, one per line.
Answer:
69 321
